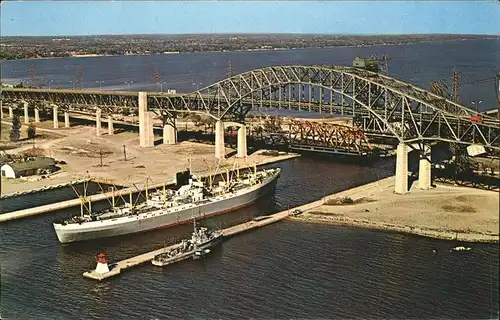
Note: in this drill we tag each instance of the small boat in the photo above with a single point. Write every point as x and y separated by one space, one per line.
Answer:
201 254
461 248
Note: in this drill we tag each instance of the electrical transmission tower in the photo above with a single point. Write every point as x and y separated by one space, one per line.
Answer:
385 63
455 79
154 76
32 74
230 69
497 87
78 77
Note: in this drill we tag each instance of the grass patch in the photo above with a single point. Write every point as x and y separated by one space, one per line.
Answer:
33 152
458 208
321 213
347 201
13 181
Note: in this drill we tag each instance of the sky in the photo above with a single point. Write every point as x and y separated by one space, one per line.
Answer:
47 18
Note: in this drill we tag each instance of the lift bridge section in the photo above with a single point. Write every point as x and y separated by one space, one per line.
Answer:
323 137
328 138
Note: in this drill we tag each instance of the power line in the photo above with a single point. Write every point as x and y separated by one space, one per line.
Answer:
478 81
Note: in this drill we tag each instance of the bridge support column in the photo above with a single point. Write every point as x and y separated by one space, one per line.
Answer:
146 136
54 117
26 114
11 113
220 150
111 129
242 142
37 115
98 112
169 134
424 168
401 186
66 119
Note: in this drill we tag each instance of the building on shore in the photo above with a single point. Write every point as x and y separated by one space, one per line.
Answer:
39 165
370 64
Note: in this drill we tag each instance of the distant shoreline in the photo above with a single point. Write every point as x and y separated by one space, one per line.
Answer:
246 50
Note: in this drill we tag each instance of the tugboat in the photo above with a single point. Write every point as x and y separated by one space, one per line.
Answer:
198 246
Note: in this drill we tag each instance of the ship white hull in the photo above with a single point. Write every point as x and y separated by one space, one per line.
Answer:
163 218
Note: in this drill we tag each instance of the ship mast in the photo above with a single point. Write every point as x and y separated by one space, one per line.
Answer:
130 199
190 164
164 196
113 196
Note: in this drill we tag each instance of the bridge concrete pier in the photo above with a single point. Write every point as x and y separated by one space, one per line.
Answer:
424 168
169 134
26 113
242 142
220 150
98 112
111 129
54 117
11 113
66 119
37 115
146 136
401 186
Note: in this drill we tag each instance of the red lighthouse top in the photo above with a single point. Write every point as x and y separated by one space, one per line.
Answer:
101 258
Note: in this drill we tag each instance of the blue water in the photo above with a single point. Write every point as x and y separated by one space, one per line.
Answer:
285 270
417 64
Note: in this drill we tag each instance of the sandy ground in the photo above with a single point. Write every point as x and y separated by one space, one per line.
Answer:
445 212
81 149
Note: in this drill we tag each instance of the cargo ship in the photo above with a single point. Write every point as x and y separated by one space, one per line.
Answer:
166 208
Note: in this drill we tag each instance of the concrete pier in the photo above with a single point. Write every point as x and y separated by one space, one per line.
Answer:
26 113
169 134
37 115
98 112
220 150
66 119
401 184
242 142
55 118
116 268
424 168
111 129
11 113
146 136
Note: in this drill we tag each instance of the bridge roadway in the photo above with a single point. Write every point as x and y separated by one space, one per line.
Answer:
379 104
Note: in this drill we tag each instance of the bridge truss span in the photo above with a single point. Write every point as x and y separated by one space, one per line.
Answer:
379 105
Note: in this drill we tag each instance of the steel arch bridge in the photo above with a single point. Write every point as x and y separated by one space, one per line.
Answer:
379 104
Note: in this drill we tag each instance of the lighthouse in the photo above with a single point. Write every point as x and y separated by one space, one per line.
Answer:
102 264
